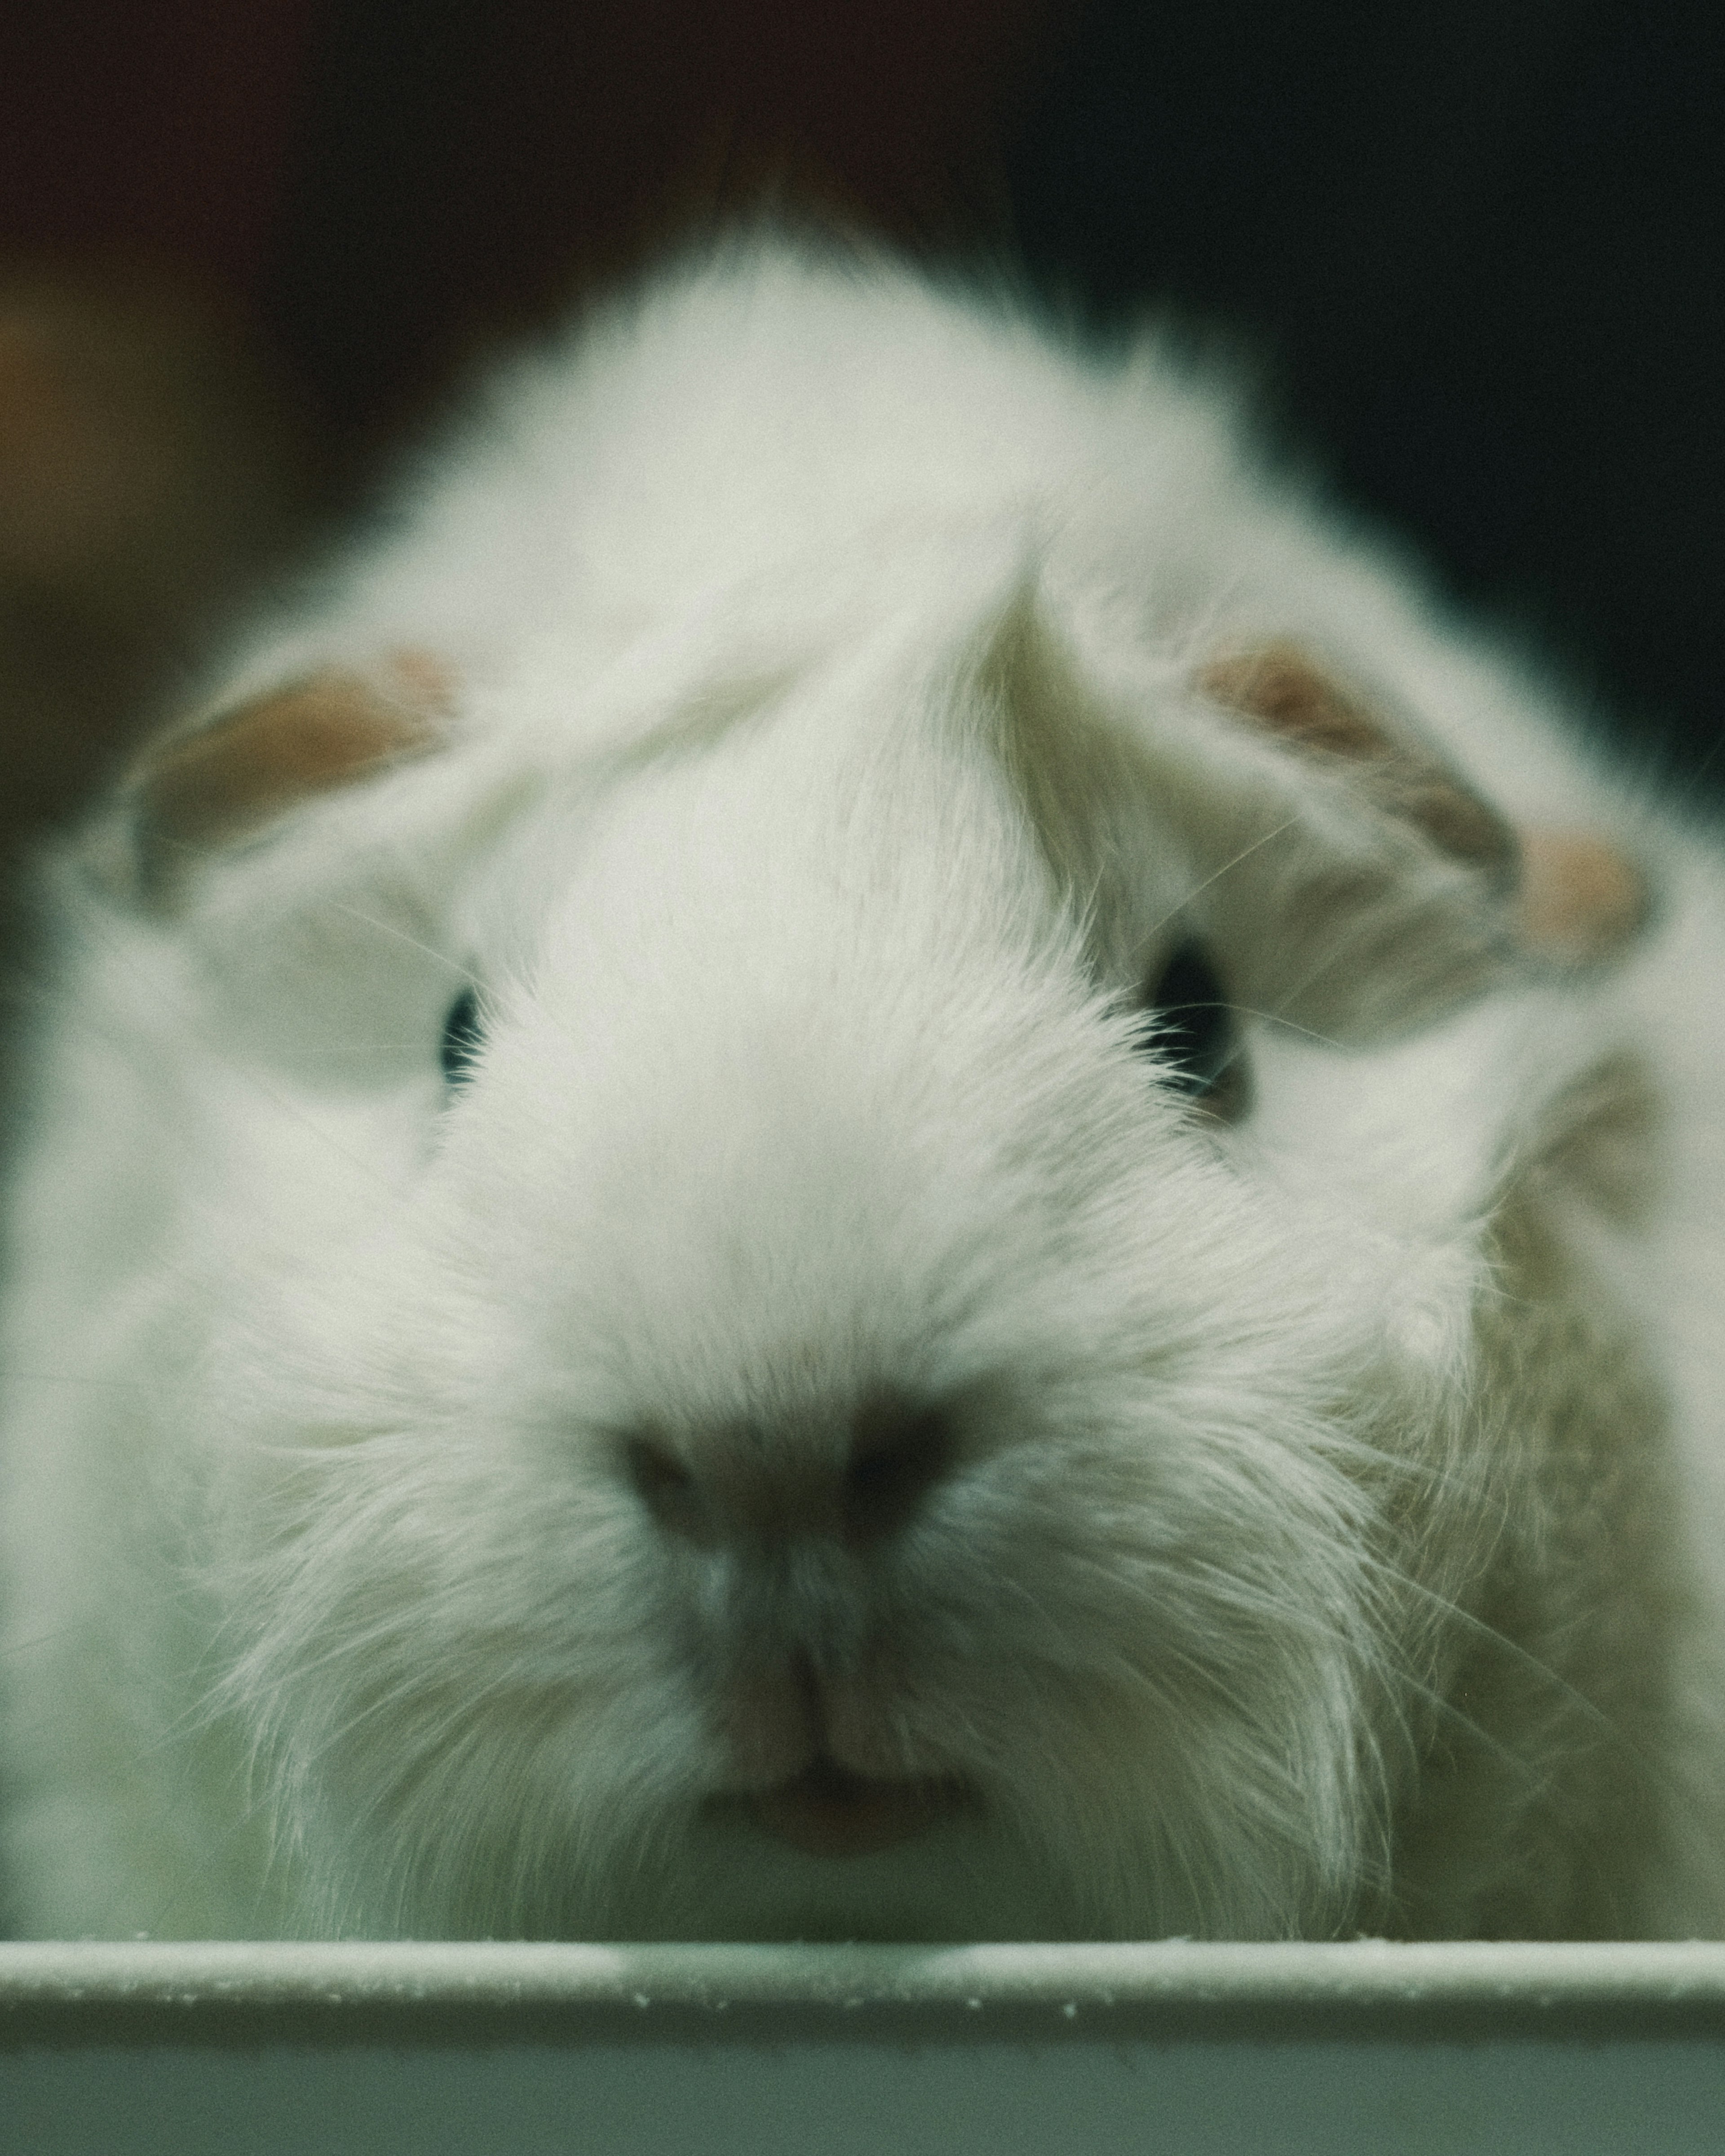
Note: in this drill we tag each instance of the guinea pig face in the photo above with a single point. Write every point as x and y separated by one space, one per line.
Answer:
840 1430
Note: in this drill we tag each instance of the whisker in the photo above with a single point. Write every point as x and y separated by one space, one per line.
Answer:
462 974
1216 875
1281 1019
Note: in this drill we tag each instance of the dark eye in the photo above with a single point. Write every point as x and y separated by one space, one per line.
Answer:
464 1036
1194 1031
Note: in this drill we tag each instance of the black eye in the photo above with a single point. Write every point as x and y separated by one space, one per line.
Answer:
1195 1033
464 1036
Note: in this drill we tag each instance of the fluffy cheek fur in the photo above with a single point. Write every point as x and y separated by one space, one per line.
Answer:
1139 1620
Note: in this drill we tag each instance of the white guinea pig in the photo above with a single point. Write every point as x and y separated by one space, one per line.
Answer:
863 1153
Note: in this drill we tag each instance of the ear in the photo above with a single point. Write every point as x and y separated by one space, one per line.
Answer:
193 794
1390 889
1281 690
1348 878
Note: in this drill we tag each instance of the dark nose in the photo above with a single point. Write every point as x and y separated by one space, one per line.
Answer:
762 1482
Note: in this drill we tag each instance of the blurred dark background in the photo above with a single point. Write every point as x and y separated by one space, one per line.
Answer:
1474 249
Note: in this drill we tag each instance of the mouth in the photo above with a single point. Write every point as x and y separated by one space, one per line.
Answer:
828 1811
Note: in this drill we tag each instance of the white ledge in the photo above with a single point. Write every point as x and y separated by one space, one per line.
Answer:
432 2050
1366 1972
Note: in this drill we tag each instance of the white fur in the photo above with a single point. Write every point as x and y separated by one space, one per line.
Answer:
812 1069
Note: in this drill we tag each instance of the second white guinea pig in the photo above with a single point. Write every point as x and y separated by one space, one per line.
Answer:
860 1151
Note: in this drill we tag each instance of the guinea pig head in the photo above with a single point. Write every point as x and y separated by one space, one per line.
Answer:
841 1430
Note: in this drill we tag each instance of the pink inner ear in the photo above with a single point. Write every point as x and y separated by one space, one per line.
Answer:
1283 690
206 789
1287 693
